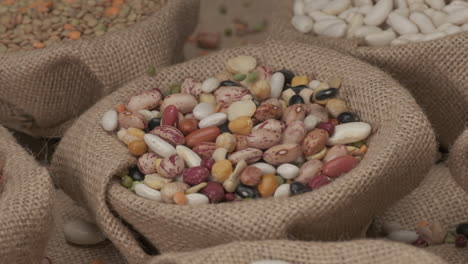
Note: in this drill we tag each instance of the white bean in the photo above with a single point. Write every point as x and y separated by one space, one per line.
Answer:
336 6
379 13
444 26
362 2
418 7
401 4
424 22
383 38
401 24
464 27
189 156
265 167
348 13
355 24
320 26
439 18
366 30
109 120
434 35
436 4
458 17
299 7
365 9
412 37
215 119
146 192
196 199
335 30
403 12
302 23
159 146
315 5
318 16
454 6
399 41
453 30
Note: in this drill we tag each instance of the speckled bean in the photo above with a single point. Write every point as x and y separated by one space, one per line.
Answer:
263 139
309 170
294 133
282 154
185 103
169 134
250 155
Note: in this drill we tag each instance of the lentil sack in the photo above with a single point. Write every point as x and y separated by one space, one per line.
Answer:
283 252
433 71
43 90
402 146
459 160
60 252
438 202
26 202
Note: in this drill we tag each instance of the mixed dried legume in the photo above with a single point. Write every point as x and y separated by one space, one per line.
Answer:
245 133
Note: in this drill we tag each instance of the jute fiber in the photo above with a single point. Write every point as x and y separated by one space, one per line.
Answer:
401 148
458 161
42 91
434 72
26 204
353 252
61 252
438 198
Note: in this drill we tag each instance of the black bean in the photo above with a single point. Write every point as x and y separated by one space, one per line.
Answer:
136 174
462 229
245 191
326 94
347 117
299 88
153 123
298 188
288 76
225 128
228 83
296 99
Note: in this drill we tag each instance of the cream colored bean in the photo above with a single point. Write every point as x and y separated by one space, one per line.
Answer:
220 154
356 22
418 7
452 30
383 38
348 14
336 30
401 4
464 27
458 17
412 37
434 35
315 6
319 16
364 31
189 156
423 22
215 119
265 167
302 23
379 13
399 41
453 7
365 9
336 6
362 2
401 24
403 12
159 146
299 7
439 18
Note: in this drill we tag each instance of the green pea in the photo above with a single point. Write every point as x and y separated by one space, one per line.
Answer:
228 32
174 88
258 27
252 77
132 188
151 71
239 77
357 144
450 237
279 179
126 181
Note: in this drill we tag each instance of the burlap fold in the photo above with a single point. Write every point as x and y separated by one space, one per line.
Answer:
26 203
41 91
438 198
402 148
61 252
353 252
458 161
434 72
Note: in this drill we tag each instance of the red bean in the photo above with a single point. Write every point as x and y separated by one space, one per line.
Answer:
339 166
207 134
170 116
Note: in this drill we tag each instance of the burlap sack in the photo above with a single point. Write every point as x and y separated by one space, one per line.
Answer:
401 148
60 252
434 72
438 198
458 161
353 252
25 204
42 91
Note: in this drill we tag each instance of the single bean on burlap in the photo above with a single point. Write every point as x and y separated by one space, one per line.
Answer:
439 198
458 161
352 252
400 151
434 71
43 91
26 204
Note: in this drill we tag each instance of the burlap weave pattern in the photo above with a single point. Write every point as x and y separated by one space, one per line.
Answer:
402 146
438 198
434 72
25 204
458 161
61 252
41 91
354 252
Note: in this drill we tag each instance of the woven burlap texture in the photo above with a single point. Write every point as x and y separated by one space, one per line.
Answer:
401 148
458 161
42 91
60 252
438 198
353 252
434 72
26 204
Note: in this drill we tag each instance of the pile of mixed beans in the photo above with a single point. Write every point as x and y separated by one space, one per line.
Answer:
33 24
246 133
